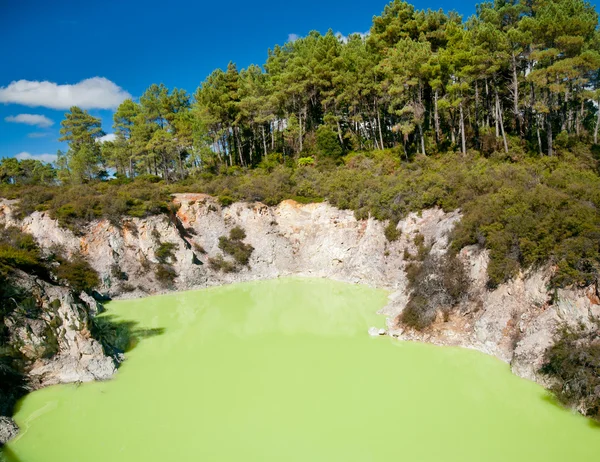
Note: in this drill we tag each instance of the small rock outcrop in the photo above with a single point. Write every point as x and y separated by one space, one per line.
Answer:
54 337
8 429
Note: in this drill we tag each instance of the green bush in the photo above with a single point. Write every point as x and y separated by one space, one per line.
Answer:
226 200
238 250
306 161
165 253
234 246
77 273
573 362
525 210
237 234
219 263
437 284
392 233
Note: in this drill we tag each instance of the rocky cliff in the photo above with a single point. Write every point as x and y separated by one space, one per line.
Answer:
49 330
54 336
515 322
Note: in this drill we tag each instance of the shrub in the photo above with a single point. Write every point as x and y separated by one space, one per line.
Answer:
392 233
573 361
234 246
77 273
19 250
525 210
226 200
306 161
237 249
165 253
219 263
437 284
237 234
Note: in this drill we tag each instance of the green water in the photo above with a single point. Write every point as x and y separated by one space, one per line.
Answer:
285 371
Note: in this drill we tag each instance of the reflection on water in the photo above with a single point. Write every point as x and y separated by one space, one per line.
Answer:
285 370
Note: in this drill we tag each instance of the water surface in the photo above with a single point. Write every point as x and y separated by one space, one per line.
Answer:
284 371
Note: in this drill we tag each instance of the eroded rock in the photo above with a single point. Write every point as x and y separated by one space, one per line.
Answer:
8 429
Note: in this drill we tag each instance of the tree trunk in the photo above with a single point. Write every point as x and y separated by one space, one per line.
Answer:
181 170
549 133
238 142
422 139
300 134
539 136
515 92
436 116
579 118
462 129
477 115
379 126
496 117
501 122
272 128
566 114
264 140
597 127
339 131
487 99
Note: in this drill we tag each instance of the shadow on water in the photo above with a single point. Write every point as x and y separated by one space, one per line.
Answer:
118 336
594 424
551 398
6 455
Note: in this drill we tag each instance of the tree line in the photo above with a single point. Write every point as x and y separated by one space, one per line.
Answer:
518 74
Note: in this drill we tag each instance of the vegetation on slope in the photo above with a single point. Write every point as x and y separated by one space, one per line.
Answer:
235 248
574 363
19 251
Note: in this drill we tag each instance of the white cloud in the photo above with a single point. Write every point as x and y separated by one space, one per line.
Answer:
94 93
42 157
31 119
108 137
293 37
38 134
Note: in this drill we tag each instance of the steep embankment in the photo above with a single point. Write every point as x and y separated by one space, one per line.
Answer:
515 322
49 331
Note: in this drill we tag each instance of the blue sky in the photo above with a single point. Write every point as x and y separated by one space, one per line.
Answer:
111 49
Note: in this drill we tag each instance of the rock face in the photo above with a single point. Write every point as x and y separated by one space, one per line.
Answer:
50 328
514 322
55 337
8 429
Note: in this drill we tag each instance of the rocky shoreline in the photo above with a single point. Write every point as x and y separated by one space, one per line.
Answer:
515 322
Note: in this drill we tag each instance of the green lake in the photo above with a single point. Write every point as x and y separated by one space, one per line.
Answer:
285 370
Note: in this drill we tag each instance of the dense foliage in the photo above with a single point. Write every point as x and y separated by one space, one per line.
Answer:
234 247
19 251
518 74
574 362
436 284
527 210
